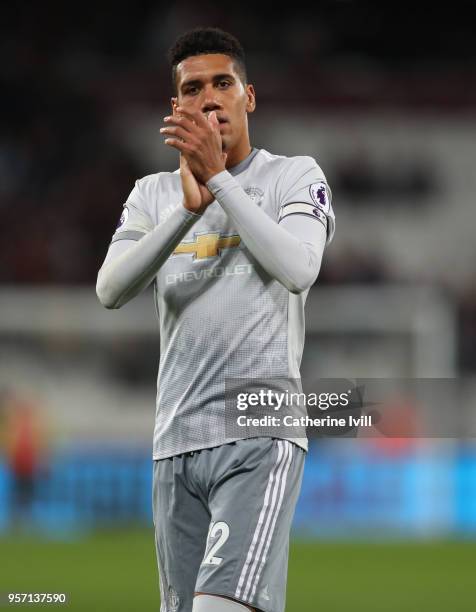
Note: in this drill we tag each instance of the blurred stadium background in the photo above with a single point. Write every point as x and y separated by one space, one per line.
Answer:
384 97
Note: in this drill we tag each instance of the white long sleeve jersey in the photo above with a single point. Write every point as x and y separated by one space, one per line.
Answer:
230 285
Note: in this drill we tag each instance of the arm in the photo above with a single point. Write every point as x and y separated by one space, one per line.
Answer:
130 267
291 252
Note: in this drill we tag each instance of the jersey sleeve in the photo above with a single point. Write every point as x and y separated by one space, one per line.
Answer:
305 192
135 220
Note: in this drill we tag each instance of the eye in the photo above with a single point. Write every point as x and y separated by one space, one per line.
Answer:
191 91
223 84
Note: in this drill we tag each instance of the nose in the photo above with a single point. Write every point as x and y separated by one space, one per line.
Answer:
210 101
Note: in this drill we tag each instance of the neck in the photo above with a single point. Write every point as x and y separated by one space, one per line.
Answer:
238 154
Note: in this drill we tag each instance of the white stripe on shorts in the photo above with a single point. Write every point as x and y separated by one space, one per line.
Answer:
261 521
275 483
273 524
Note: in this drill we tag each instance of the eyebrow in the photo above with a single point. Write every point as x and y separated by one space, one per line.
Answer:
216 77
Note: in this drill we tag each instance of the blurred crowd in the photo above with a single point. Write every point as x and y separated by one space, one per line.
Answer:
70 70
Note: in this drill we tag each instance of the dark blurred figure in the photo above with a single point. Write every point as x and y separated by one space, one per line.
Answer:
25 446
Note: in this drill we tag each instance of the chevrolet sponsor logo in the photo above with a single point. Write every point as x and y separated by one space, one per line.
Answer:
207 245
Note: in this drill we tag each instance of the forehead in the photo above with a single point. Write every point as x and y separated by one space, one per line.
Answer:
204 67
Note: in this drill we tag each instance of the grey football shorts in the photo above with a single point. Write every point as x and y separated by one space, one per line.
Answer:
222 518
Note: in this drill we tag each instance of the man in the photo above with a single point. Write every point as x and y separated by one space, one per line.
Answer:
233 241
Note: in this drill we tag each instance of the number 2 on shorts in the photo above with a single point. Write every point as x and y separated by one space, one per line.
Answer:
222 527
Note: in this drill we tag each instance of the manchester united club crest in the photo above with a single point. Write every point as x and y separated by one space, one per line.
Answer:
255 193
174 600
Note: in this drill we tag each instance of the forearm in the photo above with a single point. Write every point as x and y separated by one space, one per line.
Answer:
123 275
290 259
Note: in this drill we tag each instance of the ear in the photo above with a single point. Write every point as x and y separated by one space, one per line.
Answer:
173 103
251 99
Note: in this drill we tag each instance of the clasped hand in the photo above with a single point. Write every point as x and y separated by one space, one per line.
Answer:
198 139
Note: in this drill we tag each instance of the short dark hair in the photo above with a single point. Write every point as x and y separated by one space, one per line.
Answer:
201 41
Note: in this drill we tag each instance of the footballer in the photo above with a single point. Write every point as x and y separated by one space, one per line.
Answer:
232 240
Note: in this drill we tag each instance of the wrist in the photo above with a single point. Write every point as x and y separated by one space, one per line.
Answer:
212 173
196 212
218 181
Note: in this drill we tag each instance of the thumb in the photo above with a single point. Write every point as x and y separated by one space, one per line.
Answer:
212 118
184 167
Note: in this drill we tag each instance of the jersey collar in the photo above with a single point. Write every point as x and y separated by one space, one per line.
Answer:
244 164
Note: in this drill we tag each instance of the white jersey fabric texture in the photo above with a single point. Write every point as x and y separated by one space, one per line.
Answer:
222 314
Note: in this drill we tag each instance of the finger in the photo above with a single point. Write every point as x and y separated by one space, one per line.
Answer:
183 147
181 121
213 120
180 132
196 116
